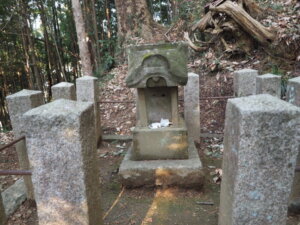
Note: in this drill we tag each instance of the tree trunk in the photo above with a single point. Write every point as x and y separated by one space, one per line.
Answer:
28 46
82 39
135 20
46 45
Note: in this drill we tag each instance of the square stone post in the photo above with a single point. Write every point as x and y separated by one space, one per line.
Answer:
293 91
63 90
261 143
269 84
244 82
18 104
293 96
87 90
2 212
192 106
62 152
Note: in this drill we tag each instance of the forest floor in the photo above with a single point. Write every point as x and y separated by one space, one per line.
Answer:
150 205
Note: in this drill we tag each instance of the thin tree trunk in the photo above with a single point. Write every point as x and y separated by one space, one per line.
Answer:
56 41
82 39
47 46
27 62
31 51
96 34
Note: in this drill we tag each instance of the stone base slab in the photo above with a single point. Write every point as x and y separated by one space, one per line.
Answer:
14 196
183 173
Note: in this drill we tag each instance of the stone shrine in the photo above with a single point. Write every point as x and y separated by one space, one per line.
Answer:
160 138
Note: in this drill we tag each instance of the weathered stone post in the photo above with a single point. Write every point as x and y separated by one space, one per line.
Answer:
18 104
87 90
293 91
269 84
244 82
260 149
62 152
2 212
192 106
63 90
293 96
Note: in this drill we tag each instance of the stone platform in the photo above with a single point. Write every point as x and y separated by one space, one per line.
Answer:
182 173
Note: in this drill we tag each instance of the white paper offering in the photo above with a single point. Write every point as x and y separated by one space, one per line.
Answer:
162 123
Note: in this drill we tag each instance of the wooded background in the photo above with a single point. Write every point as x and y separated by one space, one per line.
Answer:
39 46
39 38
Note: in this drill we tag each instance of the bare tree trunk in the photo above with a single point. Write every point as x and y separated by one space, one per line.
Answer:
82 39
46 45
27 62
29 44
135 20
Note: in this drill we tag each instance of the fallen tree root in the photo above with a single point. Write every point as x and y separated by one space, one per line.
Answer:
250 25
191 44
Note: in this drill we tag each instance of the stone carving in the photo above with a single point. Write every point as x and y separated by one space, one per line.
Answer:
162 65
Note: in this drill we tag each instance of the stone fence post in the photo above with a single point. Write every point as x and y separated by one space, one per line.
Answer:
2 212
269 84
244 82
18 104
87 90
63 90
293 96
192 106
293 91
261 143
62 152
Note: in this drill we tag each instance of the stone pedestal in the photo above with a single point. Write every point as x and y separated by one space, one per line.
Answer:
244 82
186 173
87 90
261 143
293 96
269 84
162 143
18 104
192 106
62 152
63 90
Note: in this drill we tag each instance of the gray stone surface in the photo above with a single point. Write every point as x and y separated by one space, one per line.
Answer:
64 90
157 65
18 104
293 91
14 196
162 143
293 97
269 84
62 152
260 150
184 173
87 90
192 106
2 212
244 82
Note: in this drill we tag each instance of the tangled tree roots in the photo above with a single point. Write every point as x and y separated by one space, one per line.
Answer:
235 24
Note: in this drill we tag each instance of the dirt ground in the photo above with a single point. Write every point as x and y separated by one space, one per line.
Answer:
155 206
